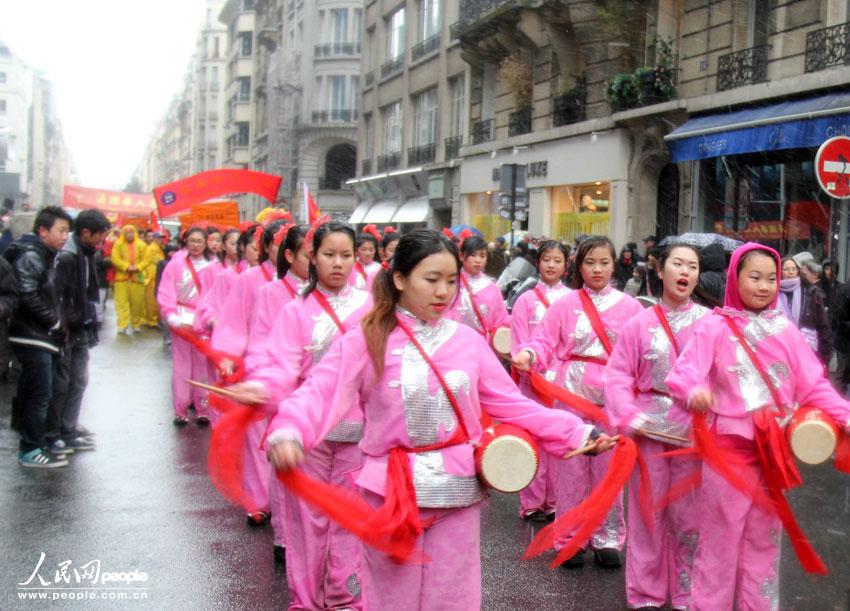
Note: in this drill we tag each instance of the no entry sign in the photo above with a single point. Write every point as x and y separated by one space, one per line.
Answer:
832 167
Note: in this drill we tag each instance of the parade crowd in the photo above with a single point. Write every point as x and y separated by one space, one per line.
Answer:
350 378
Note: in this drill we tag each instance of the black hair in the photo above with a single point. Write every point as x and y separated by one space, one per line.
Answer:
586 245
552 245
318 237
471 245
211 229
93 220
48 215
244 239
292 242
389 238
665 254
412 248
268 236
202 231
367 237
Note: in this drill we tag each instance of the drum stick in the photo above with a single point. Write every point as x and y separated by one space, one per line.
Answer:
585 449
664 436
219 391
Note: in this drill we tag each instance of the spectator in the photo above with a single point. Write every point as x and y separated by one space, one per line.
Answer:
497 258
8 301
127 257
624 266
36 334
75 282
6 231
712 276
810 273
153 255
649 243
831 288
651 285
803 304
168 252
637 280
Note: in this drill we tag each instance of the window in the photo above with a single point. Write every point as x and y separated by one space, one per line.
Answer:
369 137
371 49
4 154
430 18
244 94
338 105
392 128
355 95
242 133
759 23
215 47
2 77
457 93
214 84
425 117
2 107
245 43
395 35
339 25
358 25
248 5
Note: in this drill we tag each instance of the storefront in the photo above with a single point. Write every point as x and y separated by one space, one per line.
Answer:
574 185
755 173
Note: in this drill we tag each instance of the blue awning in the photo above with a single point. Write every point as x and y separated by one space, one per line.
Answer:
793 124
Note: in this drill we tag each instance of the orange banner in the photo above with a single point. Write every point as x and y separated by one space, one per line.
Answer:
82 198
224 214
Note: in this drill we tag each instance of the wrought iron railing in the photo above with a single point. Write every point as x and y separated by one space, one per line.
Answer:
337 48
338 115
482 131
390 161
366 167
430 44
744 67
453 147
392 66
519 122
828 47
425 153
471 11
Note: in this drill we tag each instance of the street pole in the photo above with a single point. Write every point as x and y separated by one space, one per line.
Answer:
513 204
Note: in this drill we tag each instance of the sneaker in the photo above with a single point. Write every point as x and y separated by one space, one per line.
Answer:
180 421
202 421
79 444
575 562
57 447
82 431
36 459
258 518
535 515
279 554
608 557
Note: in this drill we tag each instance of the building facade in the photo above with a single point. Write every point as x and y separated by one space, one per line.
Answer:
209 101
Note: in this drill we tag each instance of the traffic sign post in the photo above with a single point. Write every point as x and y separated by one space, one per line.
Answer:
512 201
832 167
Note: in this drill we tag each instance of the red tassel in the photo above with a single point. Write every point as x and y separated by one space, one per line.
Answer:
548 393
583 519
645 493
774 453
225 463
842 455
681 488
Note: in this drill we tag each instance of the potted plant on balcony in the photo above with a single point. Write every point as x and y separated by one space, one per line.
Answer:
621 93
568 106
656 82
517 76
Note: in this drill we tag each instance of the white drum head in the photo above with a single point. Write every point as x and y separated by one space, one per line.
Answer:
502 340
509 464
813 442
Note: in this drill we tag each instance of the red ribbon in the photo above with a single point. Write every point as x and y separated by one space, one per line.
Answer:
195 277
475 309
541 296
595 321
292 292
548 393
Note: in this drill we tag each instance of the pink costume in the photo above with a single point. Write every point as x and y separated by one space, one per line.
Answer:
178 298
271 299
738 552
407 407
322 559
565 341
527 313
661 562
488 299
357 280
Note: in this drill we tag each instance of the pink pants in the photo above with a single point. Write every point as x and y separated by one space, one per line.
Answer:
738 552
541 494
277 500
576 477
323 559
660 563
451 581
257 470
186 362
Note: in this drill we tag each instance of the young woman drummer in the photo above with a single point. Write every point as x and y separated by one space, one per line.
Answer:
660 556
748 366
479 304
367 265
423 383
537 501
575 338
322 560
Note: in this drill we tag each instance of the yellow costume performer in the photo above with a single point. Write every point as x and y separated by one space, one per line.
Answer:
153 255
127 257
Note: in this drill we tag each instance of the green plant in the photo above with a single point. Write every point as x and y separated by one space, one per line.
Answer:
517 76
621 93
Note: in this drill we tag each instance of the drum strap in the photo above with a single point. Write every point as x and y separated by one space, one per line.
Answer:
595 321
475 309
662 318
195 277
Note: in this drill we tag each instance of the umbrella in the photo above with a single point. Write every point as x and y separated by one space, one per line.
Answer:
519 234
701 240
458 229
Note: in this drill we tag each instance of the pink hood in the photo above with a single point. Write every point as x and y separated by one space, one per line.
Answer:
733 299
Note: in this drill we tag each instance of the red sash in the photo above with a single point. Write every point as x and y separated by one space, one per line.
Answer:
662 318
266 274
361 270
292 292
595 321
327 308
541 296
195 277
475 309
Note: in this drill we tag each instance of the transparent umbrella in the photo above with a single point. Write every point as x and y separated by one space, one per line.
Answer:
701 240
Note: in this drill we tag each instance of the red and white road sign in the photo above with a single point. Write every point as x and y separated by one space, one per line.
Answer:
832 167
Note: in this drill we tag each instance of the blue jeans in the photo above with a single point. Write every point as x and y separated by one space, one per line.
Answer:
35 389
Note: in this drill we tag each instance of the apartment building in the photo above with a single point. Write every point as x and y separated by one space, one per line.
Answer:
413 115
238 17
209 101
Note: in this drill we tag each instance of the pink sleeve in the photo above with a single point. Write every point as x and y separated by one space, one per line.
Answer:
205 314
277 361
557 430
547 335
811 385
166 297
499 316
521 321
322 401
694 364
260 335
230 334
621 374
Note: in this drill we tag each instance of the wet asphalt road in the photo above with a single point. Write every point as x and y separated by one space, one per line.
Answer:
142 503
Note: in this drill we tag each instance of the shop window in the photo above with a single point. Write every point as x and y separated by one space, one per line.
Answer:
483 213
580 209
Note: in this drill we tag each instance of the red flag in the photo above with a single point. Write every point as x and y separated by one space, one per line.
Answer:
182 194
153 222
313 212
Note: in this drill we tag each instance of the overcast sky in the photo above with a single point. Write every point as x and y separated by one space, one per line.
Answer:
114 65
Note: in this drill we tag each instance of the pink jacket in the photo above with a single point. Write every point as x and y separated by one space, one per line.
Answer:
178 293
635 392
529 310
565 332
220 280
364 284
231 332
271 299
489 300
407 407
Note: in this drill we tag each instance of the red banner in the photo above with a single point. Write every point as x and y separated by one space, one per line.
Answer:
197 189
127 204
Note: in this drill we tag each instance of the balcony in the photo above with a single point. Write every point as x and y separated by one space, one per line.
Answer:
390 161
392 67
828 47
366 167
419 155
370 78
429 45
482 131
339 115
333 184
471 12
745 67
337 49
519 122
453 147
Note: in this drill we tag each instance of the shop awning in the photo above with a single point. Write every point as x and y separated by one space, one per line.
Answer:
381 212
803 123
412 211
359 212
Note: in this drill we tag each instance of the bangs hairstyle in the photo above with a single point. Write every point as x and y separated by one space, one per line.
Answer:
202 231
756 252
319 236
389 238
584 248
471 245
665 254
550 245
412 248
366 237
268 236
244 239
292 242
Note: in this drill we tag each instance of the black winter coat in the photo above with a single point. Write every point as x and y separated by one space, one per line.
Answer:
75 282
8 294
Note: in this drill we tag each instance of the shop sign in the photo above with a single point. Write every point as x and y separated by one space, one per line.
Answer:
536 169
